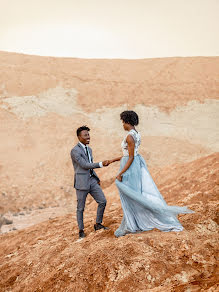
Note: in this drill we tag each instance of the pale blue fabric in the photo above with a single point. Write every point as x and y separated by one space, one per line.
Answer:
143 206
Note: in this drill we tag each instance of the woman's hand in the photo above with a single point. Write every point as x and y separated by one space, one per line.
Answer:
119 177
115 159
106 162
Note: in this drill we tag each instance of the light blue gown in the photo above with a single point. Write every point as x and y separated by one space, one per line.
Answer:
143 206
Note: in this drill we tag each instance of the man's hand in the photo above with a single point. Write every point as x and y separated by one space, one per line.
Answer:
106 162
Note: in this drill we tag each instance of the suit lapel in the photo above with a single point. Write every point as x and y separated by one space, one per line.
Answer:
83 152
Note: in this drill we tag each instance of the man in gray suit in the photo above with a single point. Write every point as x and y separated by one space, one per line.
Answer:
86 180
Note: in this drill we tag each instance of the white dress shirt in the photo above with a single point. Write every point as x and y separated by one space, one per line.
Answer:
100 163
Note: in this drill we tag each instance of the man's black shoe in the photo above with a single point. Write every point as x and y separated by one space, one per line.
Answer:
99 226
81 234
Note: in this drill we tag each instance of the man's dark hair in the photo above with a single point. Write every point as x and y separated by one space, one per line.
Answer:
129 117
79 130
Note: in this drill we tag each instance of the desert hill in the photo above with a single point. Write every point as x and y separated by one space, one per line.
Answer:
44 99
49 256
42 102
163 82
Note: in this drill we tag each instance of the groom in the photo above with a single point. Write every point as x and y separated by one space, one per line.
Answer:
86 180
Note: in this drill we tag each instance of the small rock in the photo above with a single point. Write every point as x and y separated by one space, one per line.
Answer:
5 221
149 277
8 221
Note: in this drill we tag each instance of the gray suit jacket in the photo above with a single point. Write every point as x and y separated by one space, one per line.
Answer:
82 167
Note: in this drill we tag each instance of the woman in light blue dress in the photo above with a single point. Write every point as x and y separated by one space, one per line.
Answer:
143 206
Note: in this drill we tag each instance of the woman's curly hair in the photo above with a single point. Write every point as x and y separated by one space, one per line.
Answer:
129 117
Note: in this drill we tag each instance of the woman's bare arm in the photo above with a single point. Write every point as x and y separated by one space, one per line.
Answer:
115 159
131 149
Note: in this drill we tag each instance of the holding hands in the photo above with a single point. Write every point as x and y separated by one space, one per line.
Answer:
108 162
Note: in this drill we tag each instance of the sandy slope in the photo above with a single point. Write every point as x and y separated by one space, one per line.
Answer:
48 256
164 82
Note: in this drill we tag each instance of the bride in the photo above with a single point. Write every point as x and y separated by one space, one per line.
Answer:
143 206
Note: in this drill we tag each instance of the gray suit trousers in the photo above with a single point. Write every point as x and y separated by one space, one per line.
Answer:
98 195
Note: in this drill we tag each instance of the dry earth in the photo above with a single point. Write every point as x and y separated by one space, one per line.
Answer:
42 101
49 256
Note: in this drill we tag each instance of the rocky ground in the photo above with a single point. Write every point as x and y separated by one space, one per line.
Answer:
49 257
